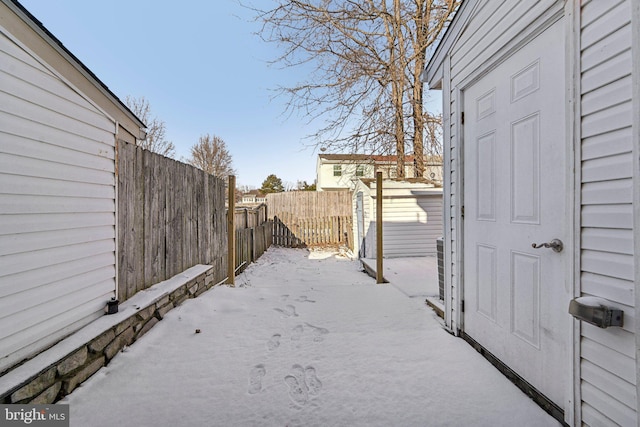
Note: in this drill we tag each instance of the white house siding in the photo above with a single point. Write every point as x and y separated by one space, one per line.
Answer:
411 225
57 206
327 181
412 220
607 362
451 207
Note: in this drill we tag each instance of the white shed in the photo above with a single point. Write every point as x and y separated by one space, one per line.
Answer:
58 127
412 218
541 107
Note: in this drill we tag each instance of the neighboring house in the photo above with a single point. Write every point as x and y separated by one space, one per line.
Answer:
541 107
411 218
253 197
58 130
341 171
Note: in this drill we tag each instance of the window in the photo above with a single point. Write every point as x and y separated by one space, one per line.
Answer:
360 170
337 170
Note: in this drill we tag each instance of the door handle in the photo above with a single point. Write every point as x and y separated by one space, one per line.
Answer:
555 244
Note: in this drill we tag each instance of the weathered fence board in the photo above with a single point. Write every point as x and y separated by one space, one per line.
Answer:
251 243
308 218
294 232
250 217
171 216
310 204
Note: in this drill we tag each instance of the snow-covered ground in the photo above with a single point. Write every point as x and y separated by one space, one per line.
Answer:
305 339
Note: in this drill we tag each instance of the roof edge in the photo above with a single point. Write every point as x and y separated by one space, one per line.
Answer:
434 71
54 42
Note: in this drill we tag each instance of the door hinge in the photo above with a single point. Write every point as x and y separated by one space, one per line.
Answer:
462 211
462 117
462 306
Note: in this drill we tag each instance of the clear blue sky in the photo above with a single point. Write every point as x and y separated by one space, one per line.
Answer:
202 70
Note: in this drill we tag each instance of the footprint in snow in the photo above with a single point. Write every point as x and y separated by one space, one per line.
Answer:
304 298
318 333
303 383
313 383
298 390
274 342
289 311
255 378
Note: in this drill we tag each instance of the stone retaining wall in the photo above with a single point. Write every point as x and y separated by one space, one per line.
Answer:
56 381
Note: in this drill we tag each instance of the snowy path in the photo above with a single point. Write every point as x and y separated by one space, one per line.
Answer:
304 340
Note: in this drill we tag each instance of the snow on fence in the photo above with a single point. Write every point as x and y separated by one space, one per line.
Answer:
171 216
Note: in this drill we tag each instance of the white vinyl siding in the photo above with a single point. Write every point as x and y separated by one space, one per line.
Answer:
332 176
412 220
411 225
57 206
607 357
451 206
494 25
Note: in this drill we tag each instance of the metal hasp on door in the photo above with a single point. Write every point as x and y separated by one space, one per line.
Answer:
596 312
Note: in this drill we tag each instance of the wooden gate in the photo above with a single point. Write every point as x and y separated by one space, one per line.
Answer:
305 218
322 231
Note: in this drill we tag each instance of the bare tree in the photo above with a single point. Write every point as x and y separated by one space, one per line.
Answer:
156 139
212 156
366 57
429 20
433 136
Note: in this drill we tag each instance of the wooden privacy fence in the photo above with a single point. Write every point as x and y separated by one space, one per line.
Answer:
323 231
309 218
251 243
253 235
171 216
310 204
250 217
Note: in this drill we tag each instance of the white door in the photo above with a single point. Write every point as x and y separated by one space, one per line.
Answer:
515 171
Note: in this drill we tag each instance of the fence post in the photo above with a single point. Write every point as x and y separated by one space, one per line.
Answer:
379 275
231 233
